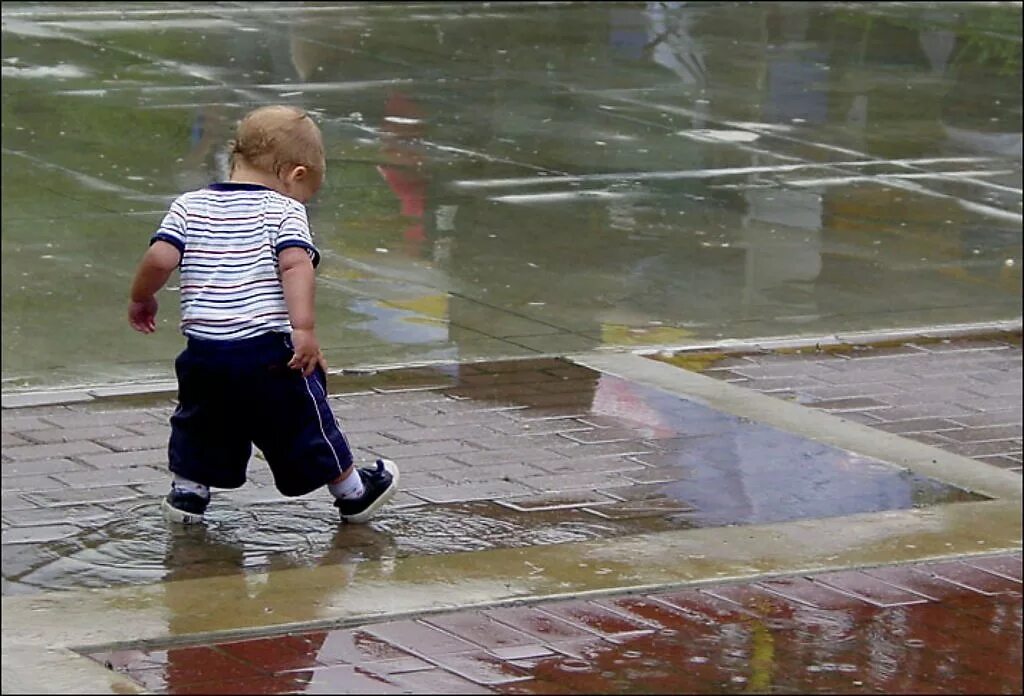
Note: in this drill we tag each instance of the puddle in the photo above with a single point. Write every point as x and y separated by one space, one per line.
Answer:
695 172
581 647
494 455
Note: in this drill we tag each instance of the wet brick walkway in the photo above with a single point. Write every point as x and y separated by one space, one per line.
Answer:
963 396
497 454
945 627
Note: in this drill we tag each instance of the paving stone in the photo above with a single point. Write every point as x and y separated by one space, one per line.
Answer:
482 668
461 432
116 460
984 434
419 638
481 630
970 577
124 476
990 418
403 500
518 442
11 424
91 419
437 682
352 646
32 483
135 443
12 440
934 410
508 457
804 591
870 588
703 608
161 427
12 500
1003 461
982 449
63 449
74 496
79 515
639 509
611 449
918 425
1007 566
371 425
489 472
38 535
549 426
559 464
574 481
906 577
55 435
41 467
460 493
544 627
850 404
445 447
556 501
603 621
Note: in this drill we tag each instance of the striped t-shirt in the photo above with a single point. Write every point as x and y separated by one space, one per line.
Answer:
229 236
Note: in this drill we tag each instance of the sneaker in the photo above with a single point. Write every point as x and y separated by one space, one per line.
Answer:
184 507
380 484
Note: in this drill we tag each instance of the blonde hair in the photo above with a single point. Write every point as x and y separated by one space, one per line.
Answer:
271 138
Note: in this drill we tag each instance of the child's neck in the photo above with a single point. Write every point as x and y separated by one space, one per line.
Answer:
242 174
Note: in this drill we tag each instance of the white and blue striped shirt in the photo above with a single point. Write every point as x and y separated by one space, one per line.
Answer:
229 235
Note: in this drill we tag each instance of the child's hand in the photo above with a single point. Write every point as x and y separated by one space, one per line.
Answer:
307 352
142 315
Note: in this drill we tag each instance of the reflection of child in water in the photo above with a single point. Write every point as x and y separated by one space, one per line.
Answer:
252 372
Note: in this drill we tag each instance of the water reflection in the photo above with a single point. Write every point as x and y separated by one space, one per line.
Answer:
518 454
681 642
697 171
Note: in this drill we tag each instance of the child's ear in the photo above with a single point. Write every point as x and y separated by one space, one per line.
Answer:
299 173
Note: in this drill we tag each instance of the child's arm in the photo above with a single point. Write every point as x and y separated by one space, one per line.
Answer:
156 267
299 283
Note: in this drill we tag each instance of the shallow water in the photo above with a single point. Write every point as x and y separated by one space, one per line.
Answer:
517 179
518 454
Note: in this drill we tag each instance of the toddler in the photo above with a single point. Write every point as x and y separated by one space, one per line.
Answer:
252 371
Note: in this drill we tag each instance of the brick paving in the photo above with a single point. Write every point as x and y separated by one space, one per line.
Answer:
949 627
488 452
529 452
962 395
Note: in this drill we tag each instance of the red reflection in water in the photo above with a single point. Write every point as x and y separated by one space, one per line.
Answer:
734 638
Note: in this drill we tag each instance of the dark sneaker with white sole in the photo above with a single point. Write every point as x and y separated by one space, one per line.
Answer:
380 482
184 507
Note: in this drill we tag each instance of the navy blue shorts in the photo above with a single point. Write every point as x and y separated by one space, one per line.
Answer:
236 394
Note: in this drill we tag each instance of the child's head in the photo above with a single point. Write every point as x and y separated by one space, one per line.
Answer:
283 142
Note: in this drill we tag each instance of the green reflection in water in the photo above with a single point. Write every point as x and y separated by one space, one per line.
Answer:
520 179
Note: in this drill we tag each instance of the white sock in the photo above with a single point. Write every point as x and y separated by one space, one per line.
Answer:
349 488
184 484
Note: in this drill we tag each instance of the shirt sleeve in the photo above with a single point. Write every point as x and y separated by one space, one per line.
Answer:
295 232
172 228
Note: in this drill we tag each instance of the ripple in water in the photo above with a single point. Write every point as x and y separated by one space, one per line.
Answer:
141 547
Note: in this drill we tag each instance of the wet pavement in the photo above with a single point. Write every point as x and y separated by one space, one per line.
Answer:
963 396
525 179
580 479
493 455
560 183
950 627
